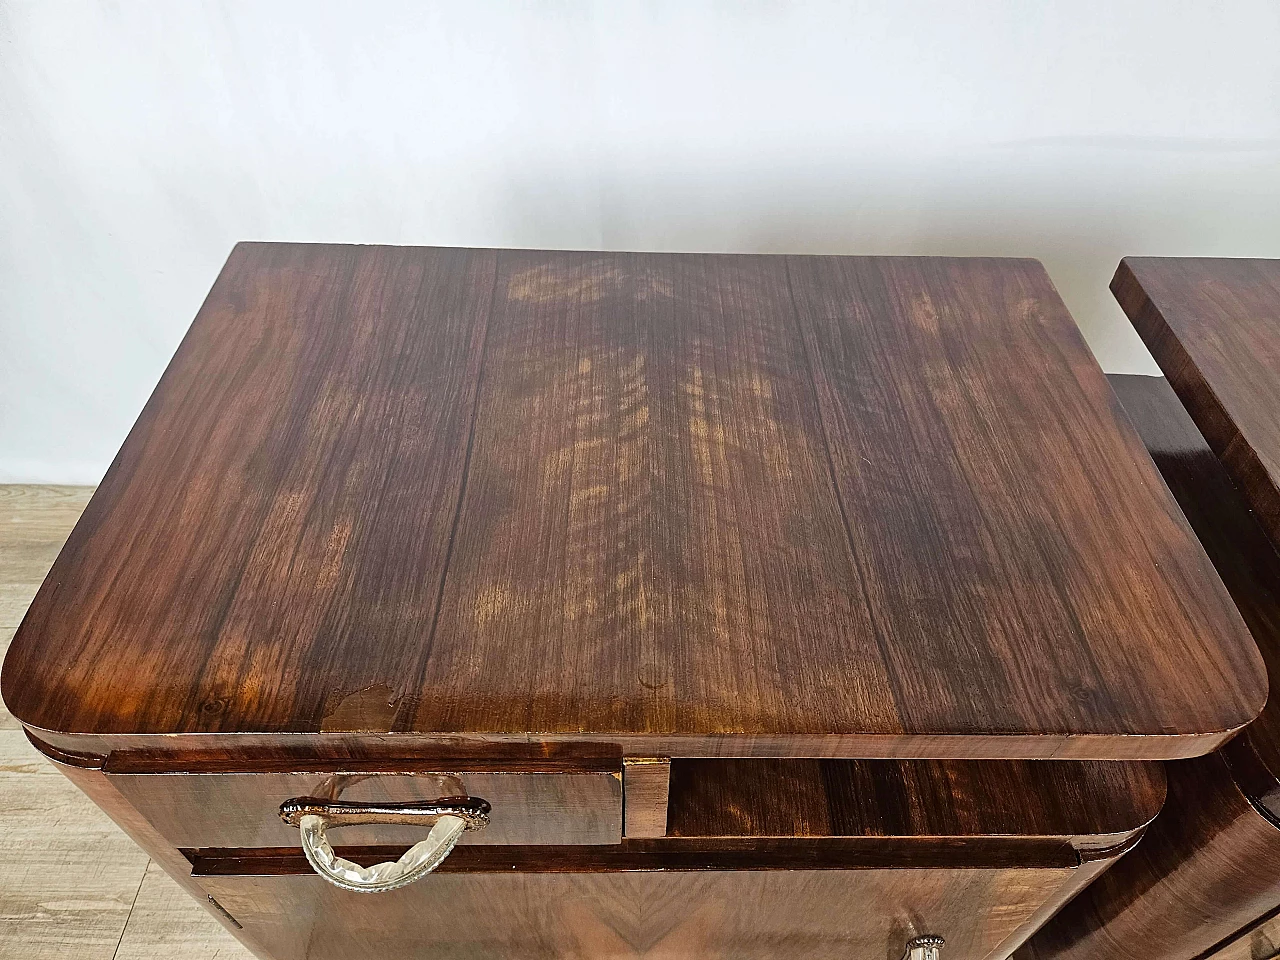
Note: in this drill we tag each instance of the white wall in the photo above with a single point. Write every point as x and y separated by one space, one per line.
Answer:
139 141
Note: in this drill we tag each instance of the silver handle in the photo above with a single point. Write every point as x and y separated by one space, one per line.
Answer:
923 948
449 818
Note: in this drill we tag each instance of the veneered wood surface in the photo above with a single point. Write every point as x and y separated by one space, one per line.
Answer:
890 876
111 905
646 783
1094 804
687 504
1245 558
1213 325
1206 868
241 809
762 914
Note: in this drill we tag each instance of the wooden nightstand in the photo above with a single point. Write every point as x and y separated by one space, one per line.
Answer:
717 605
1206 880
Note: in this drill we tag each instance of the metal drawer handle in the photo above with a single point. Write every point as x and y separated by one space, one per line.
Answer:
923 948
449 817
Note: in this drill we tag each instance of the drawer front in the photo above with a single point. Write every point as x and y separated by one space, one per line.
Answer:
193 810
869 914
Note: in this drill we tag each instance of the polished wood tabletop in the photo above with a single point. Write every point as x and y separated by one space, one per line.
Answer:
1213 325
687 504
1206 868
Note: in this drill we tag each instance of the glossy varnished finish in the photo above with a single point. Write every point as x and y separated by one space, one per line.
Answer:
1092 803
1209 866
1213 325
843 855
1259 942
1206 868
1244 556
845 858
238 809
802 914
688 505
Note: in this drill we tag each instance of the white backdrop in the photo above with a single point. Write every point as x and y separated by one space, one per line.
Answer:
139 141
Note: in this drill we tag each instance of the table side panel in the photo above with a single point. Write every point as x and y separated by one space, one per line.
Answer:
1205 869
1213 325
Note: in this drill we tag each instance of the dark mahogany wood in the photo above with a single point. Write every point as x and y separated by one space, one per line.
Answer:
241 809
737 804
1245 558
883 850
1206 868
804 914
849 858
1209 867
688 505
1092 803
1213 325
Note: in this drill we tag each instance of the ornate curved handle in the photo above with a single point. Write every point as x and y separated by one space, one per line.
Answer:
923 948
449 817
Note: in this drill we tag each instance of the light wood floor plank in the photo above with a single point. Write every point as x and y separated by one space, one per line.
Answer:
70 875
166 925
14 600
73 885
34 523
36 512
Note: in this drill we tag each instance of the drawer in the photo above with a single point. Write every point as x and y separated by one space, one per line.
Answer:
212 807
561 909
762 859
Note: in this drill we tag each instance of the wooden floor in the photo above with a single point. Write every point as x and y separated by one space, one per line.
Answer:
71 884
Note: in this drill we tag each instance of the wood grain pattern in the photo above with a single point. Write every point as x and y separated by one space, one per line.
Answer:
297 471
990 888
242 809
646 786
1259 942
832 815
1205 869
1213 325
1244 556
688 505
7 720
750 914
1093 804
70 879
